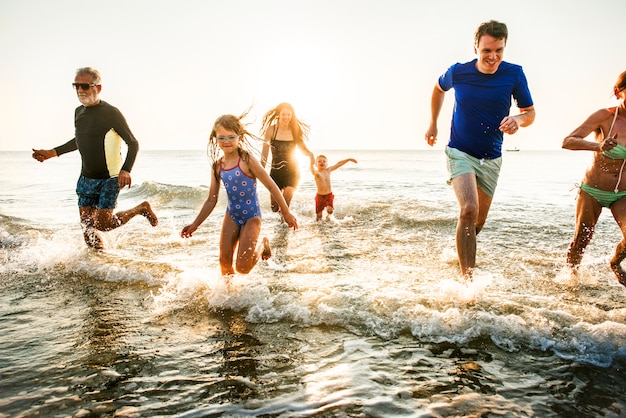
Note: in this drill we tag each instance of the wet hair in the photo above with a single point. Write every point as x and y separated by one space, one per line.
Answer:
95 74
493 28
299 129
620 84
235 124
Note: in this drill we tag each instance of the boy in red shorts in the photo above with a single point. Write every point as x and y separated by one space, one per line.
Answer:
321 172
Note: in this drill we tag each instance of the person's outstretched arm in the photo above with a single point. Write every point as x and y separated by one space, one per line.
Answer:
341 163
576 140
436 103
205 211
511 124
258 172
42 155
312 167
306 151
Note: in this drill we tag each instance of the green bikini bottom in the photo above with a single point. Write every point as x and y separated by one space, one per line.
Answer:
604 198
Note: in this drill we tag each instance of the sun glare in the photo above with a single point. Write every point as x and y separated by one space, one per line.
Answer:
306 80
303 160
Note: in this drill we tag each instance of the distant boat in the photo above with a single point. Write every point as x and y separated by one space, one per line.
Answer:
512 149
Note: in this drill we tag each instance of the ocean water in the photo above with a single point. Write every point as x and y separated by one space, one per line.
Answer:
362 315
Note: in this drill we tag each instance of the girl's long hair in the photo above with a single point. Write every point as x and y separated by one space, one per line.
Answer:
235 124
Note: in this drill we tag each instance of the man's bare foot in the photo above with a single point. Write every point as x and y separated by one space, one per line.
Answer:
93 240
146 210
267 251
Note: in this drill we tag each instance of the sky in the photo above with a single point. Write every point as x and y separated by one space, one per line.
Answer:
360 73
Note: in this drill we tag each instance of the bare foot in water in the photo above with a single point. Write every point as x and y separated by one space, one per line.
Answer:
468 277
267 251
93 239
147 211
619 273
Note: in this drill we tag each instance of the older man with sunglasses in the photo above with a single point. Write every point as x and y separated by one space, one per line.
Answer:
99 130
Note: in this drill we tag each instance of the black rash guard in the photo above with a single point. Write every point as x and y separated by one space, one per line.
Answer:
98 135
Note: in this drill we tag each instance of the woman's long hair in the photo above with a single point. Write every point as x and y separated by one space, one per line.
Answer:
620 84
299 129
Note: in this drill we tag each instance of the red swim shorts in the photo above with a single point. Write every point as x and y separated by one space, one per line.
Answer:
323 201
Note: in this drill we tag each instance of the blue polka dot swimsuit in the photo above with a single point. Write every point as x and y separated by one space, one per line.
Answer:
243 201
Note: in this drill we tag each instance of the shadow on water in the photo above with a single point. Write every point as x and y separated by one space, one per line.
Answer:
107 358
108 324
560 387
239 349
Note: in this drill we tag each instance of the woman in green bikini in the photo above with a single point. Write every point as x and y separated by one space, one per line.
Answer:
604 182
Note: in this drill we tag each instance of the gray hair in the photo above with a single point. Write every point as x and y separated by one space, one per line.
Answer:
95 74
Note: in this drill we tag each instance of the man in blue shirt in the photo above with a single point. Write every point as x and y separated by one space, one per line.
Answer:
483 89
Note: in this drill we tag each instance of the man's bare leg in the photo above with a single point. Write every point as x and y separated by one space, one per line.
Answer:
106 220
466 246
144 209
93 220
90 233
467 195
484 204
474 206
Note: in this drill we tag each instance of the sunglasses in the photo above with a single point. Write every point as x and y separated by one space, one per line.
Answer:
83 86
229 138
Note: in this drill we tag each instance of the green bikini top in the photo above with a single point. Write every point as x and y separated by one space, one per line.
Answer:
616 153
619 151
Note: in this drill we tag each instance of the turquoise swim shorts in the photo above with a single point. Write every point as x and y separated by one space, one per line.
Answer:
486 171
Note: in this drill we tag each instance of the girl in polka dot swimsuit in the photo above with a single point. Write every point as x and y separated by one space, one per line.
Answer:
238 170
